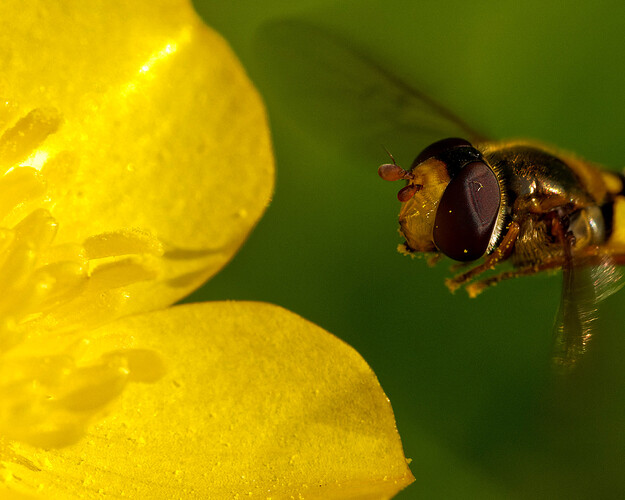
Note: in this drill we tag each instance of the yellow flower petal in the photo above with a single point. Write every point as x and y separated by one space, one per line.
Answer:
140 118
257 403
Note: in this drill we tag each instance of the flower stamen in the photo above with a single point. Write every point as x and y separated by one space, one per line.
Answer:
53 382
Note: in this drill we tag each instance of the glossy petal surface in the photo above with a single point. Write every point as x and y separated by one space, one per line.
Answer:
139 116
256 402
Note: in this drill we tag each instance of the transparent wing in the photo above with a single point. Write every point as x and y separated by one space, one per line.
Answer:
335 92
586 282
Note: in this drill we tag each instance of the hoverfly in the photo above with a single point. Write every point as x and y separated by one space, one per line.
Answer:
505 209
522 203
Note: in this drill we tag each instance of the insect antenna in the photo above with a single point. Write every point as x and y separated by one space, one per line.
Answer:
408 192
393 172
390 155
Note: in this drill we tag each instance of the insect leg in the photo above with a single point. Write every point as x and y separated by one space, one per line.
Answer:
474 289
500 253
564 261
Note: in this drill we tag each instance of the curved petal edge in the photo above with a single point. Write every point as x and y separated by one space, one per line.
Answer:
256 402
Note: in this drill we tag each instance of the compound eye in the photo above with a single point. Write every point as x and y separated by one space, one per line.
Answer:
467 213
439 147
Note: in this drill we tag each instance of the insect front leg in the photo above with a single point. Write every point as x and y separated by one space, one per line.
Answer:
502 252
556 226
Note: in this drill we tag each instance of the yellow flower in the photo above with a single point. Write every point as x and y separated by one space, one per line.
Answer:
135 159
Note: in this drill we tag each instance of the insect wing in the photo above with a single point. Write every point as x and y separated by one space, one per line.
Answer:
585 283
347 97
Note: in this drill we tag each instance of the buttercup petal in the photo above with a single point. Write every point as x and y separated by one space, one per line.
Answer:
256 402
141 122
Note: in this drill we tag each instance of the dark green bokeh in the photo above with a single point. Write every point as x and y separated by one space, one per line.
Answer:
477 407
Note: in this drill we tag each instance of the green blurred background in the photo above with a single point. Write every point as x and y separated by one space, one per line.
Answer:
479 411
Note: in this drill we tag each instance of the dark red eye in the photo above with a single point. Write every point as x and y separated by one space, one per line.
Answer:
439 147
467 213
